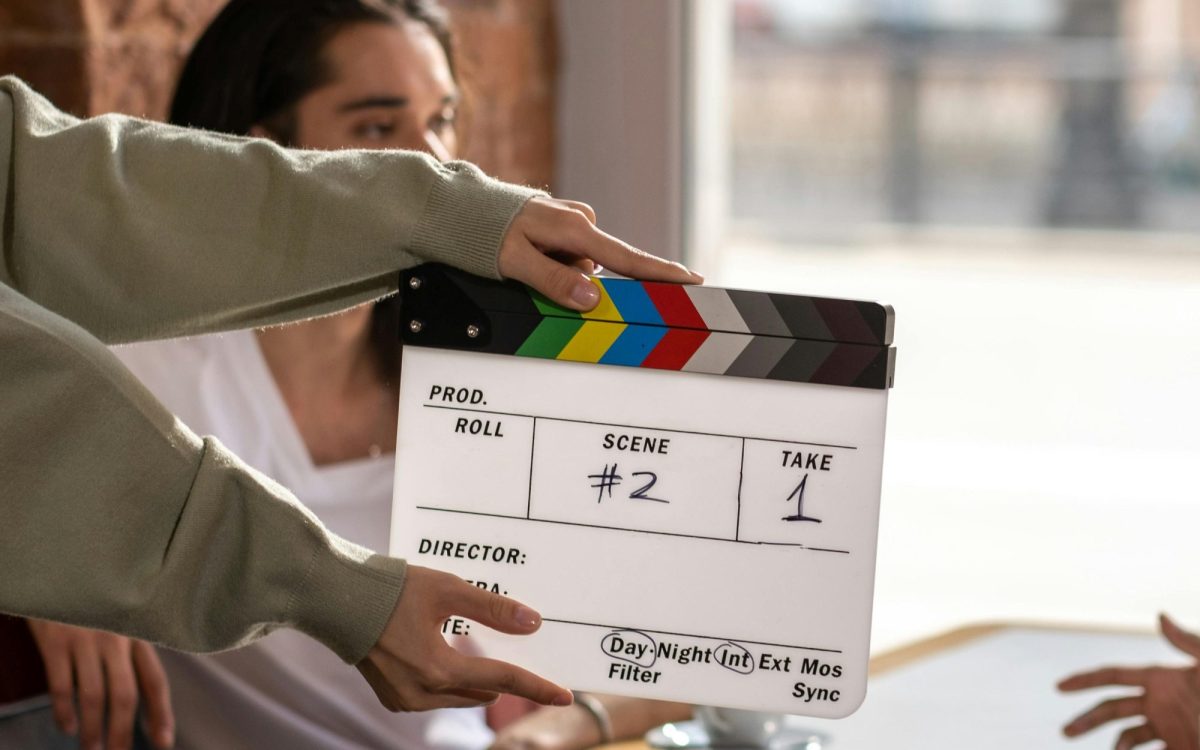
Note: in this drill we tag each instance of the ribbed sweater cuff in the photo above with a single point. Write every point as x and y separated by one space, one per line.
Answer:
347 597
466 217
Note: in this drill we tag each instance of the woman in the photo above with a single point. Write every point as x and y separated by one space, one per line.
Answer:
313 405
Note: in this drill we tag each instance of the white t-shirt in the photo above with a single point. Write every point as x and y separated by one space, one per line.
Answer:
286 690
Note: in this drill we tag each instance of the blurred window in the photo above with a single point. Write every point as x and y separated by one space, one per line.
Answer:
1022 113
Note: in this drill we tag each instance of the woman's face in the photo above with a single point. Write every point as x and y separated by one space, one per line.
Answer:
390 87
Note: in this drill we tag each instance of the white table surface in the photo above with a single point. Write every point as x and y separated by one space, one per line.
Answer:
992 692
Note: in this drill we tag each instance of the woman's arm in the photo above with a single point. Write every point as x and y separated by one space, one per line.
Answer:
138 230
117 517
141 230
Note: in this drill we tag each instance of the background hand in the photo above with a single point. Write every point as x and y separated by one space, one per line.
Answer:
1169 701
570 728
552 243
97 670
413 668
575 728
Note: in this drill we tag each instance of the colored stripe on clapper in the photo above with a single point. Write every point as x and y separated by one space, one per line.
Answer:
550 337
632 301
675 349
634 345
591 341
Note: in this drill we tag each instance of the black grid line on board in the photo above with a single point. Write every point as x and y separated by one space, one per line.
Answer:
532 445
632 531
639 427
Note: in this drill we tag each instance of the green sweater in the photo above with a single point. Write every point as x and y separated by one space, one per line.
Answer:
113 514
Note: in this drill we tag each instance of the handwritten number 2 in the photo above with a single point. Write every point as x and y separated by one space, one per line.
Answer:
609 478
798 493
640 493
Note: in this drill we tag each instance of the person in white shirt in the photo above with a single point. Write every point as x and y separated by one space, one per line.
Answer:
312 405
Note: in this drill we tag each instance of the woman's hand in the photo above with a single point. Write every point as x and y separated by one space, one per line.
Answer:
412 668
570 728
1169 701
97 670
575 728
552 243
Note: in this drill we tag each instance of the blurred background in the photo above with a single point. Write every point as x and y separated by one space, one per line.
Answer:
1020 179
1028 113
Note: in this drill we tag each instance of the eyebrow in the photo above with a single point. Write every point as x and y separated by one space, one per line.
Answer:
371 102
389 102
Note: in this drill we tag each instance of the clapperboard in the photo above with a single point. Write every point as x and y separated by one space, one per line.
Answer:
684 481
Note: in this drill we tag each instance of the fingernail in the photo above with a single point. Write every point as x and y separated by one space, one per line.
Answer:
585 294
526 617
563 699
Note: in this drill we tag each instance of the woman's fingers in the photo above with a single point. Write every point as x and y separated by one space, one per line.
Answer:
412 668
60 679
156 694
402 687
1134 736
477 697
1109 710
582 208
548 227
489 675
1188 643
122 693
562 283
493 610
89 684
450 699
627 260
568 230
98 673
444 594
1134 677
493 676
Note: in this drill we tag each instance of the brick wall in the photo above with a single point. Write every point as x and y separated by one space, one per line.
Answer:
93 56
44 42
507 54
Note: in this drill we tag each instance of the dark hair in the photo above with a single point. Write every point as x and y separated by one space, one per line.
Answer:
259 58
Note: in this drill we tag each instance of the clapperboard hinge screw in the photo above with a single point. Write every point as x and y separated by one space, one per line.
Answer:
472 331
415 326
414 282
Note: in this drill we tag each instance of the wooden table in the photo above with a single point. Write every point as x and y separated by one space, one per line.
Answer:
984 687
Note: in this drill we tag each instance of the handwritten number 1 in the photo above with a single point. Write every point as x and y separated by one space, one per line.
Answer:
798 493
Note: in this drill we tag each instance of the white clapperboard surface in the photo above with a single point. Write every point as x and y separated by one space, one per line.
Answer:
684 482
